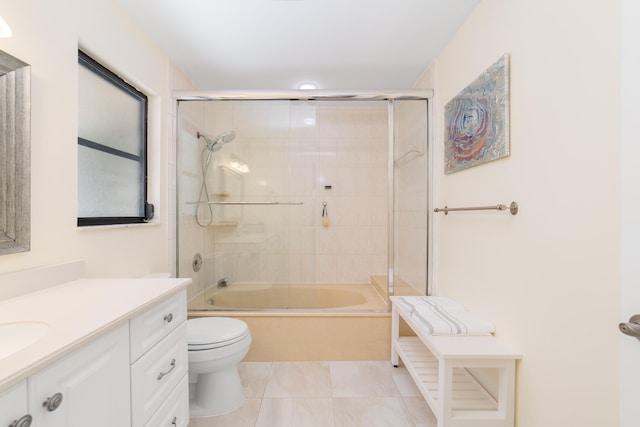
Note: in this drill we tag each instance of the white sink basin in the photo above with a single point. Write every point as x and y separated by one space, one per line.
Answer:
14 336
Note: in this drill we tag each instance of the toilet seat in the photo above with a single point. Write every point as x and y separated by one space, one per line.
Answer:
208 333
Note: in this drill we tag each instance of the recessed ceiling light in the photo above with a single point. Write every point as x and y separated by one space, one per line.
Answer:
307 86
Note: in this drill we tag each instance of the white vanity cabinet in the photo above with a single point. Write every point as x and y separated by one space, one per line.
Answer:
121 364
90 387
13 407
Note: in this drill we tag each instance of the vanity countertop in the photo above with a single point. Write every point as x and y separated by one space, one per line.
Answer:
74 313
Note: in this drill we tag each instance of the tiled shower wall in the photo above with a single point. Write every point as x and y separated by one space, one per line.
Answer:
348 150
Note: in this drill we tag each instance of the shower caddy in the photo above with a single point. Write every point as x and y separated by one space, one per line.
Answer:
439 364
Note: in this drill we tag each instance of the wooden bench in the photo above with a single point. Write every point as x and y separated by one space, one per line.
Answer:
442 367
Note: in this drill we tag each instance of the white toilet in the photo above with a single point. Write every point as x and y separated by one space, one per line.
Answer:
216 347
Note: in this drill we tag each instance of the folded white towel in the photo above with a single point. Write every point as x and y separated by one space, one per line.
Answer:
443 316
429 303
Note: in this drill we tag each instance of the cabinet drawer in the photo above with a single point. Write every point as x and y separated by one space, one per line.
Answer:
154 324
156 374
174 412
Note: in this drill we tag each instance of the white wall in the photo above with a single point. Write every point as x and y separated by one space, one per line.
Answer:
47 35
547 277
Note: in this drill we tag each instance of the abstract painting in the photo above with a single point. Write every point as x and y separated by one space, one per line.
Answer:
477 120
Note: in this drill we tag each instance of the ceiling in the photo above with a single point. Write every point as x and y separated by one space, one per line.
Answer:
278 44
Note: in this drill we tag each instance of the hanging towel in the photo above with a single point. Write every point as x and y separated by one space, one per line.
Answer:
443 316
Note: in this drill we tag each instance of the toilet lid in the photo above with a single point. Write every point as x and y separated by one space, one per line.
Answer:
214 330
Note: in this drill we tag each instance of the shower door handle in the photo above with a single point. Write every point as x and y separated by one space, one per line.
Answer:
632 327
247 203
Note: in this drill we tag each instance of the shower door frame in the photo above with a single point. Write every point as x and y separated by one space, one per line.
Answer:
359 95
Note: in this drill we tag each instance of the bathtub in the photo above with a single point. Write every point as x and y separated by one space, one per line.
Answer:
305 322
351 297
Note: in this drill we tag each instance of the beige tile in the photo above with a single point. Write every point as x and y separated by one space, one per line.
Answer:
254 376
299 394
299 379
405 384
370 412
419 412
245 416
363 379
311 412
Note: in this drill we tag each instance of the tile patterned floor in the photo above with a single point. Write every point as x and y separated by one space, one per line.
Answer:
325 394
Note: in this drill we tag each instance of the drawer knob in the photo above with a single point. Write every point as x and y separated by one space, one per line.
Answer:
174 421
162 374
52 403
168 318
22 422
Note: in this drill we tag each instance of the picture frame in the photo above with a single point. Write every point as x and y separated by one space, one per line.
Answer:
477 120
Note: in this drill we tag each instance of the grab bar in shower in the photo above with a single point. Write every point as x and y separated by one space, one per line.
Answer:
513 208
408 156
245 203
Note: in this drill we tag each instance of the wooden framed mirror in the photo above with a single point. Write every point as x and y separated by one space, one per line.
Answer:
15 155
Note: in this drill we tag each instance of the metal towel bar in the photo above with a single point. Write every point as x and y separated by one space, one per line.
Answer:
513 208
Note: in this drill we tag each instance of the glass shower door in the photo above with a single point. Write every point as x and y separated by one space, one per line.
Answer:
300 199
251 234
411 197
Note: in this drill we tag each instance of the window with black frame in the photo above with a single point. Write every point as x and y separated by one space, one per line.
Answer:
112 145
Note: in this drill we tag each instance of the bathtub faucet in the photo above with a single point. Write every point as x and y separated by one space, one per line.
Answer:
221 283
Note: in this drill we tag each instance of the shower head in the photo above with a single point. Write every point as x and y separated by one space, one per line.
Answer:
216 143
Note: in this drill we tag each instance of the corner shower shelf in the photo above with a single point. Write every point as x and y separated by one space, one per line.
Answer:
439 364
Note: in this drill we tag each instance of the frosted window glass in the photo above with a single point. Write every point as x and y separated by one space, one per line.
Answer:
108 115
108 186
112 119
